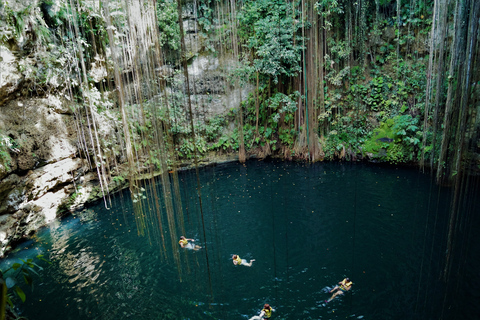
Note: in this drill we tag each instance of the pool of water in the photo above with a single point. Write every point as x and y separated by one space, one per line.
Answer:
306 225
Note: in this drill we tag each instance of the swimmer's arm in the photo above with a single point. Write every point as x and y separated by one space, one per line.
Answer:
262 313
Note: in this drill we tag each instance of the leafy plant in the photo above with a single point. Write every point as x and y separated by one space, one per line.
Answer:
271 29
186 148
19 271
167 17
396 140
5 145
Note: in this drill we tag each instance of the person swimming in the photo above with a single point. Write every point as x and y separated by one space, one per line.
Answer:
266 312
344 286
183 242
239 261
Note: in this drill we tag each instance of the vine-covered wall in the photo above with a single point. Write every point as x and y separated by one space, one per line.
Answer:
97 95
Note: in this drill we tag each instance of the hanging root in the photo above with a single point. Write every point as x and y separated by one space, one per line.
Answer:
317 153
302 151
301 148
263 151
287 153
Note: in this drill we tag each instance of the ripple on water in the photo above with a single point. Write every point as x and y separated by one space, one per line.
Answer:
307 227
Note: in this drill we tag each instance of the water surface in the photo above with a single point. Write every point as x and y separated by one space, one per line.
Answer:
307 227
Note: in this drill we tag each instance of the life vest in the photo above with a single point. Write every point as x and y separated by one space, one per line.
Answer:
183 242
239 260
268 313
345 285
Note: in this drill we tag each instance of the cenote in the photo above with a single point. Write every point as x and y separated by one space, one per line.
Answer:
306 225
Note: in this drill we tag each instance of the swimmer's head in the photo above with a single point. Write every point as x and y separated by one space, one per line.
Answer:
234 256
266 306
182 237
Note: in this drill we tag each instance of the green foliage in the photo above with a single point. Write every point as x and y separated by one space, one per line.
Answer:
283 105
167 17
20 272
271 28
339 52
43 29
25 17
276 119
139 195
6 144
66 204
186 148
205 16
214 127
346 137
227 142
387 92
287 136
326 8
120 177
396 140
207 23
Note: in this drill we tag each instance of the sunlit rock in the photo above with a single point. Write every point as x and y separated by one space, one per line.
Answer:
10 77
98 70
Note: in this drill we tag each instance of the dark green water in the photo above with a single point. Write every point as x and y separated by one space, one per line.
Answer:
307 227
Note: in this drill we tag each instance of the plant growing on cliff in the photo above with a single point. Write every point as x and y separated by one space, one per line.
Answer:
11 278
271 29
7 144
396 140
167 17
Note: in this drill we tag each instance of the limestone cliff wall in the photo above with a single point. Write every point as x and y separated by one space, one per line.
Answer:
45 167
42 166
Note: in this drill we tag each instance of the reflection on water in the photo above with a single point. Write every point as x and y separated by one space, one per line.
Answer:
129 271
307 227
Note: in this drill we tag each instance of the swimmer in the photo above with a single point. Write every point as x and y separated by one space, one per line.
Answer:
345 285
183 242
239 261
266 312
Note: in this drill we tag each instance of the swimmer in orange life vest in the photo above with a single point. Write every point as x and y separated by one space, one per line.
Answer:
187 245
345 285
239 261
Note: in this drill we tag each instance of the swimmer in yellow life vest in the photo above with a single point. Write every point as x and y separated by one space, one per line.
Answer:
344 286
239 261
266 312
183 242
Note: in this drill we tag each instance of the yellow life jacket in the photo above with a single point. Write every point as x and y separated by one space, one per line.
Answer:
268 313
239 260
183 242
345 285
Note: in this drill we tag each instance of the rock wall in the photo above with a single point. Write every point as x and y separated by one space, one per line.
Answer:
43 168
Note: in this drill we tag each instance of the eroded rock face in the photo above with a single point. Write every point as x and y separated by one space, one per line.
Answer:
10 77
45 166
40 133
12 192
47 161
